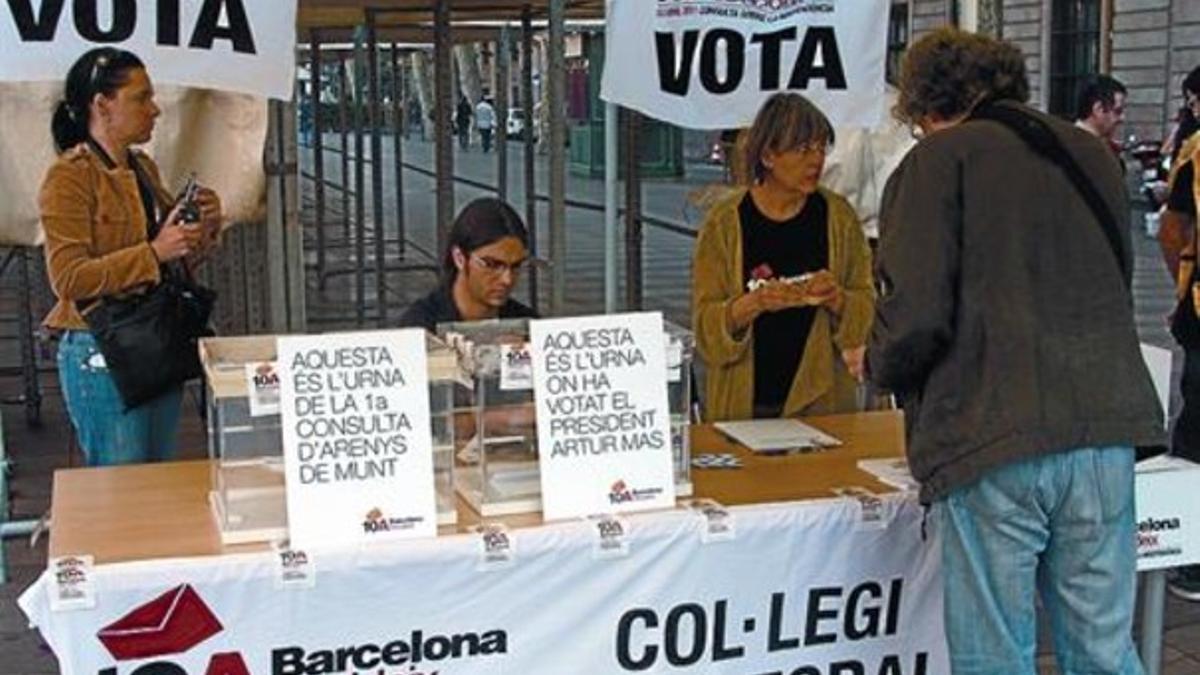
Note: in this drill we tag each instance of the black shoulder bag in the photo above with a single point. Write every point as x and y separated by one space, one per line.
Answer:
149 339
1042 139
1038 135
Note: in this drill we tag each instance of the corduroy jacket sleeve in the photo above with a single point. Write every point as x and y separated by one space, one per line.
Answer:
852 327
79 266
918 264
712 293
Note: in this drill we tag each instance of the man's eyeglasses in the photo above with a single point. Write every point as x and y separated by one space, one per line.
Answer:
495 266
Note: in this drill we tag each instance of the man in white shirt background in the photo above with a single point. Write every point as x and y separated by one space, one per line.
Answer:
485 122
1101 108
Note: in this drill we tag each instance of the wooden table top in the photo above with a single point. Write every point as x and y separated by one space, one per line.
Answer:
149 511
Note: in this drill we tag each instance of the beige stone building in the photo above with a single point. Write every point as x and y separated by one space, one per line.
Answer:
1149 45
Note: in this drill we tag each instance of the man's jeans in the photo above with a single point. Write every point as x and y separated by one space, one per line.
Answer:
1060 526
108 434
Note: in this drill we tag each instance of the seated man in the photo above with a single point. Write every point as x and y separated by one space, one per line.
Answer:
485 253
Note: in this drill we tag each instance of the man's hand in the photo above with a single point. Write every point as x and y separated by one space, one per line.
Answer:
855 359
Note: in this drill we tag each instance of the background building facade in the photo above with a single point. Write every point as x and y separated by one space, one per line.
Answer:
1149 45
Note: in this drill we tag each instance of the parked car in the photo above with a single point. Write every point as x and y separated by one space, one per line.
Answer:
516 124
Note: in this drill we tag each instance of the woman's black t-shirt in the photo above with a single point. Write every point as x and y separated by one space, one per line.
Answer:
770 250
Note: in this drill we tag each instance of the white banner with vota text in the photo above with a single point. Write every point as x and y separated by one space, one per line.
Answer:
603 422
803 589
245 46
710 64
358 450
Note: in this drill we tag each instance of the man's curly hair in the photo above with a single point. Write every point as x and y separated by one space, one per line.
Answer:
950 71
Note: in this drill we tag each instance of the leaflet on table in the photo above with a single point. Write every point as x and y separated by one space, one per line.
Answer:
892 471
358 449
603 419
775 435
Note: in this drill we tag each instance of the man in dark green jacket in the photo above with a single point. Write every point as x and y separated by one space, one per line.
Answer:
1006 329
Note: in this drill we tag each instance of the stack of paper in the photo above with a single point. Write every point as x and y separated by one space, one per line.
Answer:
893 471
777 435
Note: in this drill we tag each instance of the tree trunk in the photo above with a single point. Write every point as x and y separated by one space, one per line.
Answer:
470 78
423 84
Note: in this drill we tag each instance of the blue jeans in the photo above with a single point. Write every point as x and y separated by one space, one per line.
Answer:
108 434
1060 526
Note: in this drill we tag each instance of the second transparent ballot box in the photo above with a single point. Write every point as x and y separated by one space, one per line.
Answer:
497 469
245 440
681 349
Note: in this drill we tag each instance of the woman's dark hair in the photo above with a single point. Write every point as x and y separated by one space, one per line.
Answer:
1188 125
1191 83
950 71
482 222
103 70
785 122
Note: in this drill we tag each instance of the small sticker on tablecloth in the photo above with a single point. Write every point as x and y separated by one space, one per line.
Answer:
872 515
294 568
497 548
74 583
718 523
610 537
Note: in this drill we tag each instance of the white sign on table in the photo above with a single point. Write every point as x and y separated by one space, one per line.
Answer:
1168 513
604 438
710 64
246 46
358 450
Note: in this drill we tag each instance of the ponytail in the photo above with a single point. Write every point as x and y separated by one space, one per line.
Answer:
68 127
103 70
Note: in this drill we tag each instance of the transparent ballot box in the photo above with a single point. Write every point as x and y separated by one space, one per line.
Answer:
248 494
497 459
681 349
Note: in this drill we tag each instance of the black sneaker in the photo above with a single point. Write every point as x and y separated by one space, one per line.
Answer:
1185 583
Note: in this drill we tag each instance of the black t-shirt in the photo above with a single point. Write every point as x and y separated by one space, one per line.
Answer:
772 249
438 307
1182 199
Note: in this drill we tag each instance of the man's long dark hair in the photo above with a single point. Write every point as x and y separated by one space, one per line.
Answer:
482 222
103 70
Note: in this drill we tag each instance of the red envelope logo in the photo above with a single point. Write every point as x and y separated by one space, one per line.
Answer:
172 623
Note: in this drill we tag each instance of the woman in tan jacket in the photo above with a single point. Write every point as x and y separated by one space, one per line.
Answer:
101 204
781 277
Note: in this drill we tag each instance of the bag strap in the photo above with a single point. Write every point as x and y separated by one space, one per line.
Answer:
1042 139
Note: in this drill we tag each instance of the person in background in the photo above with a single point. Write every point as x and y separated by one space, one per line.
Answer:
486 251
1005 328
101 204
781 277
859 164
485 121
1101 109
462 122
1177 237
1185 125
